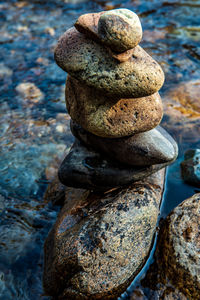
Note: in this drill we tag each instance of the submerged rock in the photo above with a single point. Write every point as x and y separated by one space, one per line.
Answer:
90 62
101 241
86 168
147 148
190 167
111 117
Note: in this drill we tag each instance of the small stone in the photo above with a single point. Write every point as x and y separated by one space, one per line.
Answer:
91 63
179 247
86 168
5 71
29 91
190 167
120 29
109 116
100 241
152 147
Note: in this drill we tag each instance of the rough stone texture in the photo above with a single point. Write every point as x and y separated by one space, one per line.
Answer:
190 167
88 25
179 247
85 168
120 29
111 117
91 63
55 192
101 241
152 147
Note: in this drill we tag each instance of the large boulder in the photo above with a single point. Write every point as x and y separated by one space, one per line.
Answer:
101 241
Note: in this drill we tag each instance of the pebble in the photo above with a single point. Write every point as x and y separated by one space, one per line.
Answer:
120 29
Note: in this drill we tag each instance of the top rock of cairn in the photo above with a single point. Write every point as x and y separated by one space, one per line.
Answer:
104 54
112 98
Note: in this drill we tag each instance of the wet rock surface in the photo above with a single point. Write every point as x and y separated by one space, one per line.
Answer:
101 241
84 167
91 63
147 148
177 258
111 117
190 167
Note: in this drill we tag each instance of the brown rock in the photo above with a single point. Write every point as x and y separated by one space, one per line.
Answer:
110 117
55 192
91 63
101 241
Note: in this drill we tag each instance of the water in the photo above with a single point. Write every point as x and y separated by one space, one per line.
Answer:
34 127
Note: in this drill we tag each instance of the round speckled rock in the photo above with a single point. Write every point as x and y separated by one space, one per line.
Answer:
179 247
147 148
90 62
120 29
101 241
110 117
86 168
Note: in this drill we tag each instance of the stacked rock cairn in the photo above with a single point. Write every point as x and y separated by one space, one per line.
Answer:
112 98
104 231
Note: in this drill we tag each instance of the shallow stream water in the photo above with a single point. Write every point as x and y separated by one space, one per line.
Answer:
34 126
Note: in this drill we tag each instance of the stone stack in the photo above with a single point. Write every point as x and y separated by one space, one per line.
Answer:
104 232
112 98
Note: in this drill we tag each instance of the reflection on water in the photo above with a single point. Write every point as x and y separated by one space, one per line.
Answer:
34 129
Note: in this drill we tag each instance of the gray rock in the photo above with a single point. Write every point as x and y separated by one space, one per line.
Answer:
178 252
90 62
190 167
101 241
86 168
120 29
147 148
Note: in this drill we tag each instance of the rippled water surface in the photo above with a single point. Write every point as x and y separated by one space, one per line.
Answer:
34 127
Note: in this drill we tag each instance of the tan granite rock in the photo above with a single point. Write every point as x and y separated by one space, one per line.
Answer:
101 241
91 63
120 29
110 117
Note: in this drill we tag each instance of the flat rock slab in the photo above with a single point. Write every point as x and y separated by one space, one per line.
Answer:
179 247
90 62
152 147
86 168
100 242
111 117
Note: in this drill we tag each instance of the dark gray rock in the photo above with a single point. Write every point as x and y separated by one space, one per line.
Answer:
83 167
101 241
190 167
152 147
